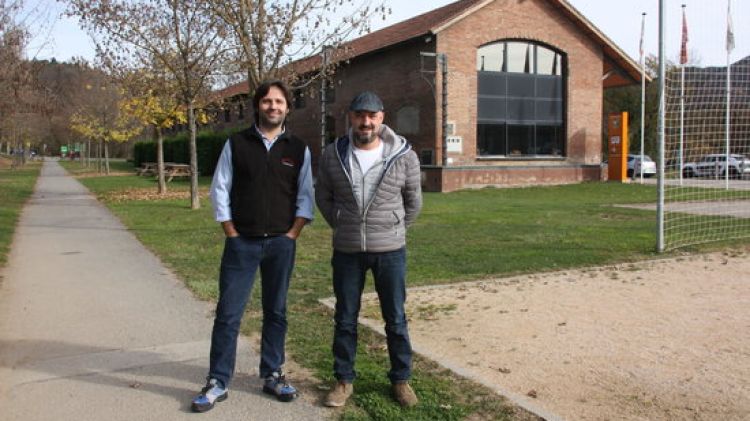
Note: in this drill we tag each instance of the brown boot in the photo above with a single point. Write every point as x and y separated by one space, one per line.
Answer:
340 393
404 394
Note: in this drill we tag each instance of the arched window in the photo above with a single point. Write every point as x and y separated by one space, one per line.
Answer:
520 100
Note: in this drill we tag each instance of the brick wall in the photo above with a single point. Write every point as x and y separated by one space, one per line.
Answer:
393 74
449 179
530 20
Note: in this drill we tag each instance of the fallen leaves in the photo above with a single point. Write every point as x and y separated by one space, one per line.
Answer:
150 194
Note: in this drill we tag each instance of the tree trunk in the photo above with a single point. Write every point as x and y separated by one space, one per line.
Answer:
160 160
194 199
99 156
106 158
88 153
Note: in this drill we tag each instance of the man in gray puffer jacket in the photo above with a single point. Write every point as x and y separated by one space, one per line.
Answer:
368 190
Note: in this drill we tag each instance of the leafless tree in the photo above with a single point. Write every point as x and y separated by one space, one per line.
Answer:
266 35
180 35
13 71
23 100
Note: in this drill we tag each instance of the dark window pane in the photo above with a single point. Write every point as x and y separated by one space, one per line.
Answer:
299 99
521 109
491 83
520 139
548 110
548 87
549 140
491 109
330 94
425 157
521 86
491 139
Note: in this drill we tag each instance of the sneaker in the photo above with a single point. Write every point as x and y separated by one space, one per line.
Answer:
340 393
213 392
276 385
404 394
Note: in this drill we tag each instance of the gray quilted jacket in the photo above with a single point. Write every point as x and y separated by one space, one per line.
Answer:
374 222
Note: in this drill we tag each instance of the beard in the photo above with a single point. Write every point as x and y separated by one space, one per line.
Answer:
271 121
362 137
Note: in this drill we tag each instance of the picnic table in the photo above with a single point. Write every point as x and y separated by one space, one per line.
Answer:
147 168
176 170
171 170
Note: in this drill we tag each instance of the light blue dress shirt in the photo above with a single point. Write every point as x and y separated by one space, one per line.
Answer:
221 185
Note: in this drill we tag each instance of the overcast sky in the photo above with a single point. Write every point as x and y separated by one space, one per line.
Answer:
619 20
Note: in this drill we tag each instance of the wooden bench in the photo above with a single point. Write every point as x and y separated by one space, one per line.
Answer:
147 168
172 170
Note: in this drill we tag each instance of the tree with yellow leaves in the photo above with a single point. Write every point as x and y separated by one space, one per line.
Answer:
155 108
179 35
104 120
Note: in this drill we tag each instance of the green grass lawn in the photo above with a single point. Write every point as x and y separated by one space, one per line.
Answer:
15 188
459 236
79 167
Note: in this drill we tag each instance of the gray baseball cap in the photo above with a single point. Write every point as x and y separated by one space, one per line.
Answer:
366 101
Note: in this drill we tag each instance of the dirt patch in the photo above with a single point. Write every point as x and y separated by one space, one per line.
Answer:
657 340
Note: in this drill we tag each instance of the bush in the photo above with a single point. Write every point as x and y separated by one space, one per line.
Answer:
177 149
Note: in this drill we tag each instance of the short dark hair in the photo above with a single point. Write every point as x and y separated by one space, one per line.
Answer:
262 90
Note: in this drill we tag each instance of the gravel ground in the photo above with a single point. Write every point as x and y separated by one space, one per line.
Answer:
654 340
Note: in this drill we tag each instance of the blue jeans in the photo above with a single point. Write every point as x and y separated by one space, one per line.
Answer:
389 272
241 259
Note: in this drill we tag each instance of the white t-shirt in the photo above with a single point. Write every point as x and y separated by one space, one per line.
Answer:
367 157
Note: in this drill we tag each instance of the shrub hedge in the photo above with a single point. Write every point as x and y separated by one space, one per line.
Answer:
177 149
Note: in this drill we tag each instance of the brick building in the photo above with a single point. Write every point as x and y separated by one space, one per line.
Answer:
524 92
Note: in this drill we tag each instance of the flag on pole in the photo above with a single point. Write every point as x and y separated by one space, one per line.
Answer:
683 46
730 29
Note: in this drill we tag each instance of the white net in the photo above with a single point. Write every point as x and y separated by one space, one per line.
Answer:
707 154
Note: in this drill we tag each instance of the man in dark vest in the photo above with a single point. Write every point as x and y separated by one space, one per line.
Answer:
262 195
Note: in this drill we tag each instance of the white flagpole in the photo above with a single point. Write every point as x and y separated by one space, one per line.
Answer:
730 46
726 123
682 118
660 141
643 93
682 95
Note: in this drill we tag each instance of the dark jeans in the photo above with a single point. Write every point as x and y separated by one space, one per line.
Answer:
241 259
389 272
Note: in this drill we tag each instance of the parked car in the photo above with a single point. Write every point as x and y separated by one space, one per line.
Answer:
634 166
715 165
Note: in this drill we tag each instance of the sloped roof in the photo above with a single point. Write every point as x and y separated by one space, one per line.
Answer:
436 20
233 90
394 34
411 28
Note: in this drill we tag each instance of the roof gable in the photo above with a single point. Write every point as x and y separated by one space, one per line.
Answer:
439 19
442 18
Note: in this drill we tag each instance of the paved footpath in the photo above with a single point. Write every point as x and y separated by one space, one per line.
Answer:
94 327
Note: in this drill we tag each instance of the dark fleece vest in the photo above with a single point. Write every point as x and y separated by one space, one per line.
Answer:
264 183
